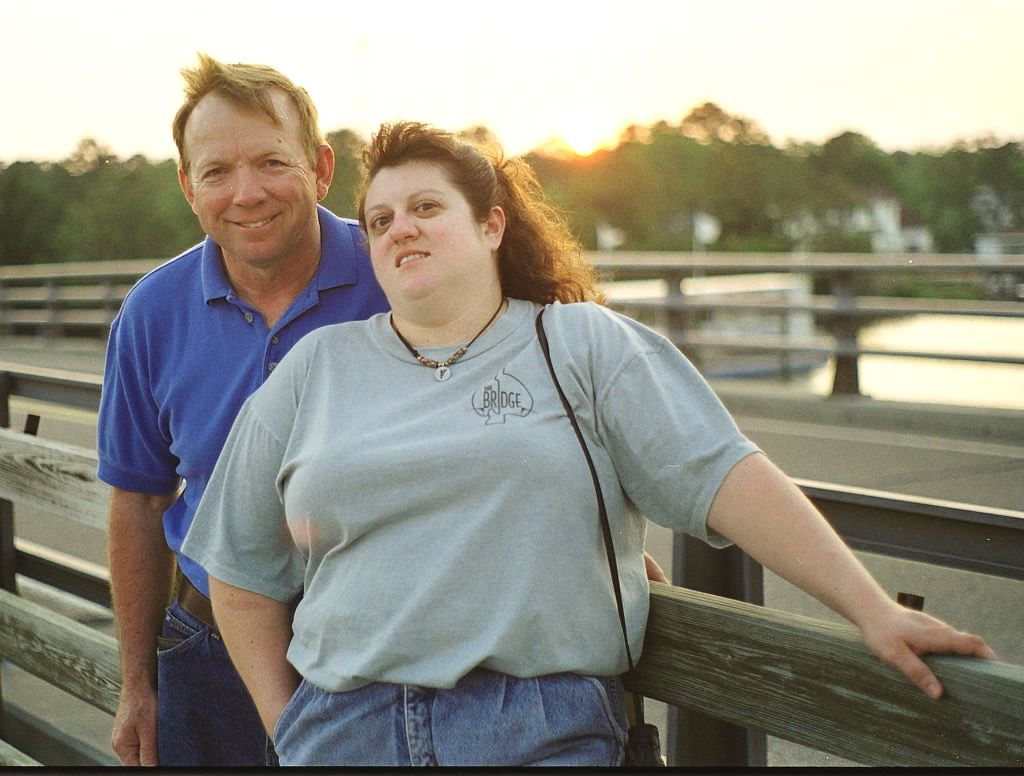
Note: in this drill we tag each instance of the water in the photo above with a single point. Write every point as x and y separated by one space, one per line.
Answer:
932 381
938 381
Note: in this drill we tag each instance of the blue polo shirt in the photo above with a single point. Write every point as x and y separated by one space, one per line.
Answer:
184 354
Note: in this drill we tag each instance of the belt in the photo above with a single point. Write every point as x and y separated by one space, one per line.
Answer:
195 603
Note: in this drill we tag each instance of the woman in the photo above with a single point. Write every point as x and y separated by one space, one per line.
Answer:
416 478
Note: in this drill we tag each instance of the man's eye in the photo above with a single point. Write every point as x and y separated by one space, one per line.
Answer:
213 172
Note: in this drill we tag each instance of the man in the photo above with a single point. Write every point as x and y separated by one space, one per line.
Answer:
193 339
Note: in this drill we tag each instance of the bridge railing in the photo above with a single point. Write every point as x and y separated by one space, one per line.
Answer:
735 670
74 298
81 299
839 314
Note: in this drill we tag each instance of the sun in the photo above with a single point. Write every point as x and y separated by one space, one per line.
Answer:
583 139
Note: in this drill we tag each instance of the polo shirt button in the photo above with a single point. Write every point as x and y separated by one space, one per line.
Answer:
275 340
249 318
271 365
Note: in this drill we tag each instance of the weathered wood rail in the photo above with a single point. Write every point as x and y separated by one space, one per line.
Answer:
70 298
840 314
800 679
82 299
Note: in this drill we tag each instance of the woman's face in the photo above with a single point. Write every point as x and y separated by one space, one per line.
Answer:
424 241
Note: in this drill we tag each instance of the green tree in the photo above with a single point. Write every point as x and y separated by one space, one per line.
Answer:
341 198
122 210
941 187
708 123
32 199
857 160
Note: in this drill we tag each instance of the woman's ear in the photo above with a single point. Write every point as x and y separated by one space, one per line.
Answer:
494 227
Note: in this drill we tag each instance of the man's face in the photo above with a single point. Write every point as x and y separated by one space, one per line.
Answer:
251 183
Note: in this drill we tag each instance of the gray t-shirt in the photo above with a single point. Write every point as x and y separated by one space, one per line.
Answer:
439 526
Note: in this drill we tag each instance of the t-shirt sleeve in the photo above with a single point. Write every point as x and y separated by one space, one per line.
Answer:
239 533
670 437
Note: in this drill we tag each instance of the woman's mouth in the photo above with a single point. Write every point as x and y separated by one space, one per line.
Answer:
409 257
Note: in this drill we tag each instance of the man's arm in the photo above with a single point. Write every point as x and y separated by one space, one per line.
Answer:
761 510
257 631
141 575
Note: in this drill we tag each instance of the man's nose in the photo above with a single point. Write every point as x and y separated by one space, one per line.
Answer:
248 188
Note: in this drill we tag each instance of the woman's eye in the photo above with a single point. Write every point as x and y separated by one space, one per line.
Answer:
426 207
379 223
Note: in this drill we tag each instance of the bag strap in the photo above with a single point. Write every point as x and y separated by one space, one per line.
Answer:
606 530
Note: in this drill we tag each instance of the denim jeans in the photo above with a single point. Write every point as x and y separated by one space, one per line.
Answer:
488 718
205 714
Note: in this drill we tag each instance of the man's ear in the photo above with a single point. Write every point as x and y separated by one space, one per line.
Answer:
324 169
186 188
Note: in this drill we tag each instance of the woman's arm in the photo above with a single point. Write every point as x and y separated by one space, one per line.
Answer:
760 509
257 631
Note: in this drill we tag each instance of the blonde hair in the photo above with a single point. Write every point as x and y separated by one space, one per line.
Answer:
248 86
539 259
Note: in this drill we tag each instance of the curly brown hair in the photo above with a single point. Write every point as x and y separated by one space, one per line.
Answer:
539 260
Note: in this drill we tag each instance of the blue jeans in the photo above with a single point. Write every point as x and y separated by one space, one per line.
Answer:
488 718
205 716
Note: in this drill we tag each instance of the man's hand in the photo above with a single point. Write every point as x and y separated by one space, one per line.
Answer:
141 573
134 735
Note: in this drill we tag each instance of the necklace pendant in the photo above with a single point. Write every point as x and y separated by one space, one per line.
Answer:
442 373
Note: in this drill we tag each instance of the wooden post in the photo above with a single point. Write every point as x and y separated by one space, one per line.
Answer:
676 317
8 558
846 380
53 328
695 739
4 328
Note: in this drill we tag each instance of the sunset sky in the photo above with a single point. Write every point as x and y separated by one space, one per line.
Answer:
906 73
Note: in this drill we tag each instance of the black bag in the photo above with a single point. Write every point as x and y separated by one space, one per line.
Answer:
643 746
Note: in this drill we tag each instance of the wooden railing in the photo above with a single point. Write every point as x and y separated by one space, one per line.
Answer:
796 678
76 298
793 677
840 314
82 299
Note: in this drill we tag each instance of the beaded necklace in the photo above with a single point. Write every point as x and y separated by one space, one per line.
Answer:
442 369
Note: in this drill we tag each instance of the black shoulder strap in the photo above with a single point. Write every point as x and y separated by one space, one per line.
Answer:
602 512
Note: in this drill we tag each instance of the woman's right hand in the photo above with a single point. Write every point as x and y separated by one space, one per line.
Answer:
899 636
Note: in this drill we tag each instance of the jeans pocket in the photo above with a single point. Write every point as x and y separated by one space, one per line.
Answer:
288 714
612 696
177 637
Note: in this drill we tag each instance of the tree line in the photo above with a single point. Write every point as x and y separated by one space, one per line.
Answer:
647 189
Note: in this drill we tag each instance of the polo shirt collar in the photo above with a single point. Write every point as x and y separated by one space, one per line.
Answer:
337 265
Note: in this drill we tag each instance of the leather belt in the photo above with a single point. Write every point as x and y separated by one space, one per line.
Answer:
195 603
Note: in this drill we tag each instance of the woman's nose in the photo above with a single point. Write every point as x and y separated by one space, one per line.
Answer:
402 227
